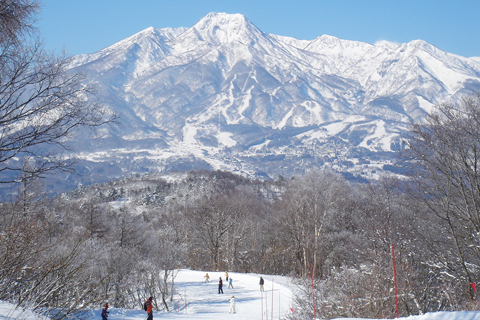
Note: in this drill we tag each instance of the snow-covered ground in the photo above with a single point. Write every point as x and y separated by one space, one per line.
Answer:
195 299
8 312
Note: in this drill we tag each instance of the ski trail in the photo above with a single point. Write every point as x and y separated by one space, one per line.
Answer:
204 301
195 299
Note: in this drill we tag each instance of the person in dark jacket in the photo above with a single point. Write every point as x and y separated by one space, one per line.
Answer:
105 312
220 286
149 307
261 283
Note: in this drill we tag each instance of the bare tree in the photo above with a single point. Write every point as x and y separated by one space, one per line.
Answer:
16 18
41 102
309 209
445 156
43 266
210 221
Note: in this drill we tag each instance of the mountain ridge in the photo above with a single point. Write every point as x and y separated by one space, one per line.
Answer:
223 94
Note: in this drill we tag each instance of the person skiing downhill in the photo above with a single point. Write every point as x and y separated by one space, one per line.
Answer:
207 277
105 312
230 284
232 305
261 283
220 286
149 308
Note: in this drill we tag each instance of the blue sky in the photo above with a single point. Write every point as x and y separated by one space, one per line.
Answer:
87 26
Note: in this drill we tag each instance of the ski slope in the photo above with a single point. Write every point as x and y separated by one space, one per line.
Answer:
195 299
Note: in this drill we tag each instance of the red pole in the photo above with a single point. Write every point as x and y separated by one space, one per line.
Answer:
395 280
313 294
185 299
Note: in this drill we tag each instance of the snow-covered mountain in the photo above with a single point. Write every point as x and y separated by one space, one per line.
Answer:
222 94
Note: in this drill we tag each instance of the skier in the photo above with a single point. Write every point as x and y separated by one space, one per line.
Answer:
232 305
207 277
105 312
226 276
148 306
220 286
261 283
230 285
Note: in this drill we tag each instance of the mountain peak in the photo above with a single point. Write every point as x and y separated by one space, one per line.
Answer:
222 19
333 46
328 39
385 44
223 27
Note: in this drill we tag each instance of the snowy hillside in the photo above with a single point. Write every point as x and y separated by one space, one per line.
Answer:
199 300
224 95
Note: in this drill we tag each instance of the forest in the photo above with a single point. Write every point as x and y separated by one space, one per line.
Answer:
122 241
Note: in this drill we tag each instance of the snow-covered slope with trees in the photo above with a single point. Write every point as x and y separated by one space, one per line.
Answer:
199 300
222 94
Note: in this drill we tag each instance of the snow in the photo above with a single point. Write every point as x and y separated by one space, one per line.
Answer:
338 126
225 138
283 122
425 105
378 137
452 79
195 299
387 44
8 312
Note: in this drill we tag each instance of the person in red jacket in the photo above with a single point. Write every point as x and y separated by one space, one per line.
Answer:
105 312
149 308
